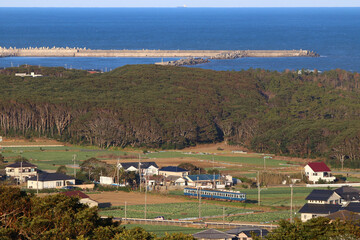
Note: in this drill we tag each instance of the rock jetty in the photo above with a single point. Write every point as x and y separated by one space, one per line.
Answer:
185 61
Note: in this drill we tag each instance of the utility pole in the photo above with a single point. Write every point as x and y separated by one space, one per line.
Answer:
125 210
291 203
258 183
37 182
21 171
199 203
140 171
117 172
223 217
342 162
145 196
74 158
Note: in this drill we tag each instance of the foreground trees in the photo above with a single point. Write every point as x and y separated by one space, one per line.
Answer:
317 228
24 216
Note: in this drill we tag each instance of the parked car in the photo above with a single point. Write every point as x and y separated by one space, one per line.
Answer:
159 218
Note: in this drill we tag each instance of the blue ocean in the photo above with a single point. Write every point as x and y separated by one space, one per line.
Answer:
334 33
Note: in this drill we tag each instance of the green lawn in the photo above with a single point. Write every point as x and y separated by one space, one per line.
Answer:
160 230
173 210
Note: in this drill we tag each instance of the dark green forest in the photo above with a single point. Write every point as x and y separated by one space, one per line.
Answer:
287 113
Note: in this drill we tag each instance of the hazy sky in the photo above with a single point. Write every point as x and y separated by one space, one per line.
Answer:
174 3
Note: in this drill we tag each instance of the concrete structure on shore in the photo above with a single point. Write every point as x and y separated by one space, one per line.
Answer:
213 54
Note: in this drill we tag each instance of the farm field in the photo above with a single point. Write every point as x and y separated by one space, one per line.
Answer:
174 211
279 196
161 230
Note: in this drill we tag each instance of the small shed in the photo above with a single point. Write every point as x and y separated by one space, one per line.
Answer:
83 198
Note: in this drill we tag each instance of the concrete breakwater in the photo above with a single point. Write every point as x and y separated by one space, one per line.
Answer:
211 54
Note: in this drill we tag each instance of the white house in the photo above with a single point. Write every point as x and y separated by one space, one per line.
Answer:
147 168
318 170
21 171
50 180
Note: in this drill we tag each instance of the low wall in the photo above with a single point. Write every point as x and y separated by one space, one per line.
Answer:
333 185
75 52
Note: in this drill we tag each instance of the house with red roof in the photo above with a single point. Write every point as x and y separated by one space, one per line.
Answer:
318 170
83 198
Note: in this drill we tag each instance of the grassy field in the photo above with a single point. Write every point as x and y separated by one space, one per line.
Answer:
218 158
160 230
49 158
173 210
265 217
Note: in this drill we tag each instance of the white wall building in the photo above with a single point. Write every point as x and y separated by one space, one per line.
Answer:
21 171
50 180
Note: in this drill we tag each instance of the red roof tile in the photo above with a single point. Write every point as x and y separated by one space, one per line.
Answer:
319 167
75 193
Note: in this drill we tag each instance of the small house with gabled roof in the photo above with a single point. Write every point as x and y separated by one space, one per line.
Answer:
21 171
147 168
83 198
318 196
318 170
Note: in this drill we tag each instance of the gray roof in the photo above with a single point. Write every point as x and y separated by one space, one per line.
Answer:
348 193
18 165
321 195
344 215
353 207
173 169
320 208
44 177
212 234
136 165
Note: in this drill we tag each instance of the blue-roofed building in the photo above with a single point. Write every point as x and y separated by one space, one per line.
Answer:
173 171
209 180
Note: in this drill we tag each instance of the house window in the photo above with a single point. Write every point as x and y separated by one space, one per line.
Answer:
58 184
314 174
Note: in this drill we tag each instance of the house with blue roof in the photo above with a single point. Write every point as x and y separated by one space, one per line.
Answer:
173 171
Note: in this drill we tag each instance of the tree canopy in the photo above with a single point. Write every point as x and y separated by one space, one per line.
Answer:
288 113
